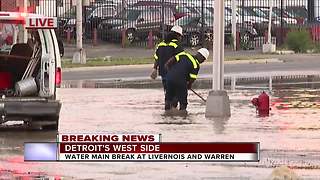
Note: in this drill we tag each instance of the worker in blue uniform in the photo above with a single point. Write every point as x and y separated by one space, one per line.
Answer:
165 50
182 72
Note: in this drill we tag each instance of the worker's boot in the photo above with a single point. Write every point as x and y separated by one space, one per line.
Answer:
167 105
183 110
183 107
175 103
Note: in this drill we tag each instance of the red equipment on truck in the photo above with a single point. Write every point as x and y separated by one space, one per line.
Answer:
5 80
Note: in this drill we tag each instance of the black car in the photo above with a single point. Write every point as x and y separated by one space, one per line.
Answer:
298 12
137 23
68 19
195 29
178 9
92 17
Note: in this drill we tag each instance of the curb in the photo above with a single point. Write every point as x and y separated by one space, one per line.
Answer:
255 61
284 52
101 68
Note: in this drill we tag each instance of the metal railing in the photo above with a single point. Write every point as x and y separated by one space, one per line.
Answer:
271 78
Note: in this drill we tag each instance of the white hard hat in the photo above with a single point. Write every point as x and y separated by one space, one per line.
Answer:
204 52
177 29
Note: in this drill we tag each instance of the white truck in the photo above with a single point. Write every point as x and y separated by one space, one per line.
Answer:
30 70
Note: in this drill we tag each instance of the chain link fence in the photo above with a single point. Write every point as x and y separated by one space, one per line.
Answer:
146 22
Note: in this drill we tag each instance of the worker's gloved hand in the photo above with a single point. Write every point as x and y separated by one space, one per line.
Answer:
189 85
154 74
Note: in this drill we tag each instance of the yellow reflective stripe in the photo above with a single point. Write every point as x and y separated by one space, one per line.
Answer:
193 76
177 57
173 44
162 44
194 61
155 57
180 54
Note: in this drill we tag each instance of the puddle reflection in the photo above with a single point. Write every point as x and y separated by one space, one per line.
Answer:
219 124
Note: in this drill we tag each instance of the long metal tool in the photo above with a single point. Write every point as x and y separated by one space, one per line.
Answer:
198 95
33 62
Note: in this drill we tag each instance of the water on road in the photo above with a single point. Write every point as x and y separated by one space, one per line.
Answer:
289 136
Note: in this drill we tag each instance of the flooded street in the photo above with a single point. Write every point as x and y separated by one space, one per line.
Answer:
289 136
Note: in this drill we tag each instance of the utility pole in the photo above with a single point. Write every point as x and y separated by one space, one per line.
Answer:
218 104
316 12
269 47
234 5
269 24
218 44
80 55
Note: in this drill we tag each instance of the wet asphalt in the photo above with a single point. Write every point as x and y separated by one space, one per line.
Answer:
289 136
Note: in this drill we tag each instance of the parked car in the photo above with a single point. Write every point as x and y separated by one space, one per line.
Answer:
276 15
92 17
186 10
206 11
244 16
178 9
263 27
137 22
195 9
68 18
194 30
67 21
300 13
276 20
99 14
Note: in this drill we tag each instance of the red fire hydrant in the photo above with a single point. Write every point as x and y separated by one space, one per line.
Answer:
262 104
